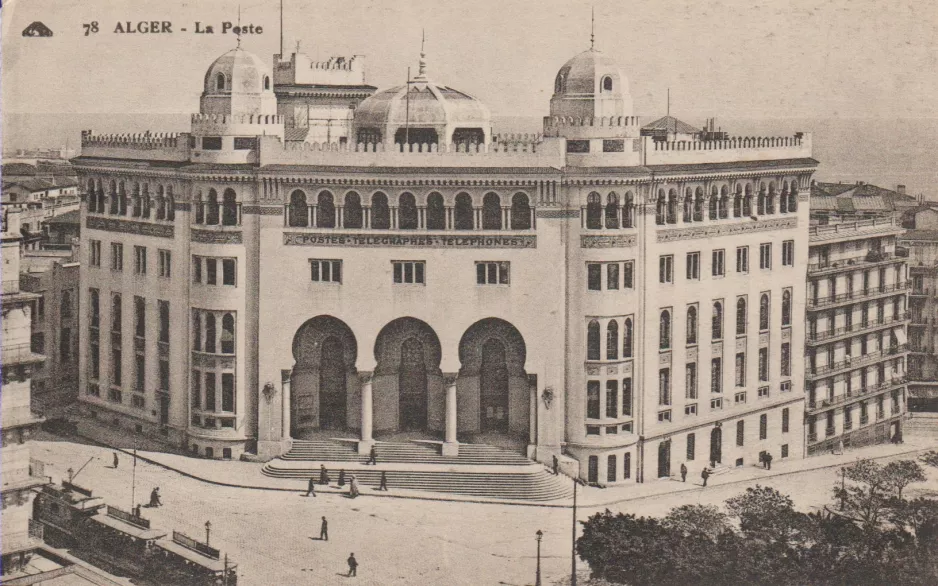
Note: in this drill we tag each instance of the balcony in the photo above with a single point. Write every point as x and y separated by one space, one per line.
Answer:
857 328
812 436
851 363
856 296
854 396
869 260
830 431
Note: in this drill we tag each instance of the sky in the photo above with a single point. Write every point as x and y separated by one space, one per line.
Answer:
730 58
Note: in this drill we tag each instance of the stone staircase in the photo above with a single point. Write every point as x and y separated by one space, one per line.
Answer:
420 466
924 425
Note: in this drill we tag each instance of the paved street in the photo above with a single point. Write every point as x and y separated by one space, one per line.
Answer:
273 535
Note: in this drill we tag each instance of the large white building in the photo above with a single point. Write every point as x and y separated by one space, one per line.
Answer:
631 300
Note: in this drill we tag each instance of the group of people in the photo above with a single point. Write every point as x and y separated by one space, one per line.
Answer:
354 490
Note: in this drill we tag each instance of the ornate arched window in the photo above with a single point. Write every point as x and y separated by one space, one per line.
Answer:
211 209
170 207
672 207
770 199
716 325
747 201
786 308
112 194
160 207
627 338
299 214
145 202
520 212
491 212
229 210
714 207
463 212
612 340
612 210
220 82
688 206
664 330
559 84
783 200
407 212
699 205
325 210
793 197
760 208
738 202
724 203
352 211
741 316
227 334
628 211
691 325
594 211
764 312
380 212
210 332
122 199
436 212
607 84
661 208
592 341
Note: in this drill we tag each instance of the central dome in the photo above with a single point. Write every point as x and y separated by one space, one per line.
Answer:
238 82
590 85
422 112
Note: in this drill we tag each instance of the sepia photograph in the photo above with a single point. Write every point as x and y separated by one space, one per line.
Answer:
494 293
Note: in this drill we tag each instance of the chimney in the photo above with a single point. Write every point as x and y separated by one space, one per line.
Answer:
900 189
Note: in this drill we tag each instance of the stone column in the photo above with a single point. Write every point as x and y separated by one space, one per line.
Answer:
364 445
285 398
451 445
339 217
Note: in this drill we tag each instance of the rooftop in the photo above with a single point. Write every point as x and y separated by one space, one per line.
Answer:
671 124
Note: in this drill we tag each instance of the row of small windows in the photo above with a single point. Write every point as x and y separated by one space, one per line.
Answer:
718 261
411 271
407 215
222 83
141 258
204 387
593 348
666 211
716 378
613 214
138 204
206 270
612 402
215 212
94 314
205 334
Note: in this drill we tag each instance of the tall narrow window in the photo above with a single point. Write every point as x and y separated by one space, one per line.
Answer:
227 334
763 426
664 330
380 212
463 212
592 341
716 375
740 316
692 324
627 339
436 212
520 212
716 326
786 307
627 397
740 432
594 211
612 340
592 399
325 213
740 369
352 216
764 312
690 380
612 398
407 212
164 321
612 211
664 386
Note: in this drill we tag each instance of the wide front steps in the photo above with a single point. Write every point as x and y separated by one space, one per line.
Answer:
414 452
921 425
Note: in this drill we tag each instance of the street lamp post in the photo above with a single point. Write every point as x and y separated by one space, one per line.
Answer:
208 531
537 579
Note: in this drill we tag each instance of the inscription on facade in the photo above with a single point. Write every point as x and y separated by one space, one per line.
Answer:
407 241
741 227
129 227
213 237
624 241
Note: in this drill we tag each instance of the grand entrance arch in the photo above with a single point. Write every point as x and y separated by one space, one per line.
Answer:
325 351
493 385
408 382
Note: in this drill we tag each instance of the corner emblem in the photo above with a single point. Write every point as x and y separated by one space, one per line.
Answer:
37 29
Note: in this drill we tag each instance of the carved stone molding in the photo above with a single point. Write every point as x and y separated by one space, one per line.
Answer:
743 226
611 241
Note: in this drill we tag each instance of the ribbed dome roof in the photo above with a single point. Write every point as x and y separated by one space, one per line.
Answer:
243 72
428 104
584 73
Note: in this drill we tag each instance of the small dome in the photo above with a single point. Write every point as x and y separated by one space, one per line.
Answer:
238 71
591 85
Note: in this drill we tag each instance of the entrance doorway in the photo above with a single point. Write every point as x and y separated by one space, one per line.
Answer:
412 384
493 383
716 445
332 392
593 473
664 459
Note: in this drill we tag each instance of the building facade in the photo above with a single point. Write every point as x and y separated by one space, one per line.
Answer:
592 292
857 319
922 244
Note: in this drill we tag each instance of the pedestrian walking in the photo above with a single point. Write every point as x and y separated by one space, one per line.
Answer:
556 465
768 461
155 498
705 474
324 530
373 455
353 487
323 475
683 472
352 565
116 461
384 481
341 478
137 511
310 488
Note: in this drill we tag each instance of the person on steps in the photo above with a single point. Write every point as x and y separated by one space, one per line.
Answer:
310 488
323 475
683 472
373 455
384 481
341 478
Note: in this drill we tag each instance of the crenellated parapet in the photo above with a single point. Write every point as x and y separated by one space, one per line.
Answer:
744 142
221 119
752 148
161 146
592 127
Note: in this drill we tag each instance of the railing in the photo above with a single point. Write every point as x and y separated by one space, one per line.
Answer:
856 295
195 545
830 431
868 358
866 260
812 436
846 227
128 517
856 395
858 327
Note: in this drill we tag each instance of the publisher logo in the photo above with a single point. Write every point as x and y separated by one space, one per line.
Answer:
37 29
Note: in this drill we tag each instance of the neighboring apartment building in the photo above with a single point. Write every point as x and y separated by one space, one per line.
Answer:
39 200
857 315
922 243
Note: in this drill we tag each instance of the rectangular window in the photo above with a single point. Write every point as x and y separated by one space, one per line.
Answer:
117 256
742 259
611 474
613 146
326 270
244 143
592 399
627 465
95 358
37 343
211 271
140 317
487 273
690 409
763 364
693 266
612 275
627 275
784 450
612 398
788 253
140 260
786 358
666 269
196 389
165 263
664 386
785 417
691 445
95 253
95 298
228 271
227 392
763 392
765 255
717 267
594 276
740 369
164 375
164 321
627 397
716 403
209 391
578 146
65 344
763 427
141 375
740 433
690 380
716 375
196 269
116 369
739 398
137 401
664 416
211 143
409 272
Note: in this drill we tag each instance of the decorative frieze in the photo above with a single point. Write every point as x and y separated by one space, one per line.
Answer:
744 226
557 214
786 334
216 237
664 359
741 344
612 241
614 369
129 227
379 240
764 339
716 349
262 210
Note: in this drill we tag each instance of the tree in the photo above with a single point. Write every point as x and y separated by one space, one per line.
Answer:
901 473
704 520
866 497
930 458
625 548
765 513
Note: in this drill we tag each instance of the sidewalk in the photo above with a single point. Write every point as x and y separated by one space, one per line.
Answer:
248 475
